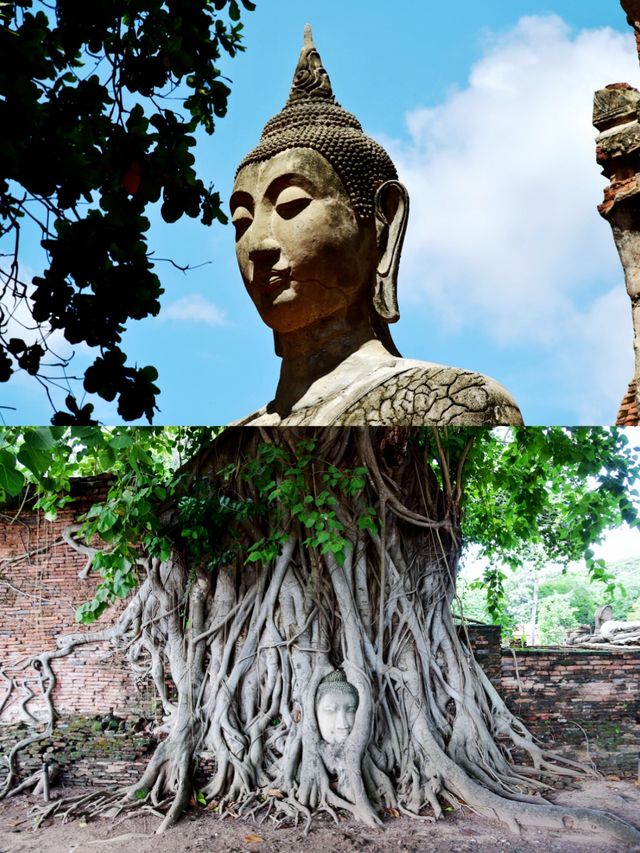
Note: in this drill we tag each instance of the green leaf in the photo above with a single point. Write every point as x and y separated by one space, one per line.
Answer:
254 556
120 441
11 480
37 461
41 438
106 520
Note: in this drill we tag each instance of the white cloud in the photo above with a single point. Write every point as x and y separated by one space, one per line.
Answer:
504 237
194 309
599 346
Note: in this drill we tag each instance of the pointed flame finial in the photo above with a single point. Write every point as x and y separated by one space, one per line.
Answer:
310 79
312 118
308 36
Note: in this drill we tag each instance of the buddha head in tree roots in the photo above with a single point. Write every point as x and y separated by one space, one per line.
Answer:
319 215
336 706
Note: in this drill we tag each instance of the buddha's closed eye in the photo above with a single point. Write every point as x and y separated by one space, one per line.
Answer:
292 201
241 219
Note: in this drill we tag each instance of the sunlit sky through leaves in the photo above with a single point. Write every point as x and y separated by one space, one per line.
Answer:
623 543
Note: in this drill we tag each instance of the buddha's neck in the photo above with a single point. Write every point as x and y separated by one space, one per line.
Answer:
310 353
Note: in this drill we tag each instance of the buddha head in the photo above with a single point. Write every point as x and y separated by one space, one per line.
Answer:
319 213
336 706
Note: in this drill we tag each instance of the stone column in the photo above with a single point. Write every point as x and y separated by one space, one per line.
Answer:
616 114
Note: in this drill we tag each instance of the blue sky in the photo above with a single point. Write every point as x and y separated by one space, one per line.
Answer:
508 268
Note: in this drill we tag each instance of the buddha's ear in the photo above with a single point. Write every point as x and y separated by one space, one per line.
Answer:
392 213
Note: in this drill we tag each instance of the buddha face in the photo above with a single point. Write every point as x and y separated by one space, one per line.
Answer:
303 255
336 712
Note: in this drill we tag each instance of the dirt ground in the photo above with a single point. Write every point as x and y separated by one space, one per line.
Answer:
459 832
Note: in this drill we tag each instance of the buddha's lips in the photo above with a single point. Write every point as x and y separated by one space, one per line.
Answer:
271 280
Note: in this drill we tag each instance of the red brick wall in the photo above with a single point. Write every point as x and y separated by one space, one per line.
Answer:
484 641
562 685
588 699
38 599
584 703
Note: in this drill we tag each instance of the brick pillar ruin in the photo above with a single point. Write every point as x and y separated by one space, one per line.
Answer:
616 115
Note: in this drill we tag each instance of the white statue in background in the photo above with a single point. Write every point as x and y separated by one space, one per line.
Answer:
607 631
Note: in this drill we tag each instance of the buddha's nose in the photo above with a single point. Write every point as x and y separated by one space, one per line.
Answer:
266 254
261 243
342 722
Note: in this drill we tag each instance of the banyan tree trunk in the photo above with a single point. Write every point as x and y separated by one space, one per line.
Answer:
357 574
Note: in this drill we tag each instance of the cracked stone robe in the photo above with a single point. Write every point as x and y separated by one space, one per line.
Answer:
372 387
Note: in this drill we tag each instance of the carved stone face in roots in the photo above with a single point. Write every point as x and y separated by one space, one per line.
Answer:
336 706
303 255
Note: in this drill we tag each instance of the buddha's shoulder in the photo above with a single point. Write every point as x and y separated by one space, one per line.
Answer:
258 418
419 393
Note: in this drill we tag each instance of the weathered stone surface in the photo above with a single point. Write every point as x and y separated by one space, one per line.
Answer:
441 395
320 219
377 389
618 141
336 706
616 115
616 104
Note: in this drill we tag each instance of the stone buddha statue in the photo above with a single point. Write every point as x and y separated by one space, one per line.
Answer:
320 219
336 705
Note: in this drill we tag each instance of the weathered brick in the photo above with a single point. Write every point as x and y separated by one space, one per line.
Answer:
38 599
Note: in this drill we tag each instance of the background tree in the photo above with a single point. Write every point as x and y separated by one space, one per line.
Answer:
627 576
557 616
279 555
567 598
98 105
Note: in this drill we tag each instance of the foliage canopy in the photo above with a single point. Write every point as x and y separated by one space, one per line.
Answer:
549 491
98 105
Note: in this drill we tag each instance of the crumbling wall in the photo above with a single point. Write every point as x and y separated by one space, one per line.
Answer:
39 593
615 115
485 642
585 699
85 755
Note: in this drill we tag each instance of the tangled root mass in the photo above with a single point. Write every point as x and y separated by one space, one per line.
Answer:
246 647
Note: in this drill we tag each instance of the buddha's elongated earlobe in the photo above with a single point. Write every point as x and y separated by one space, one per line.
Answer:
392 213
